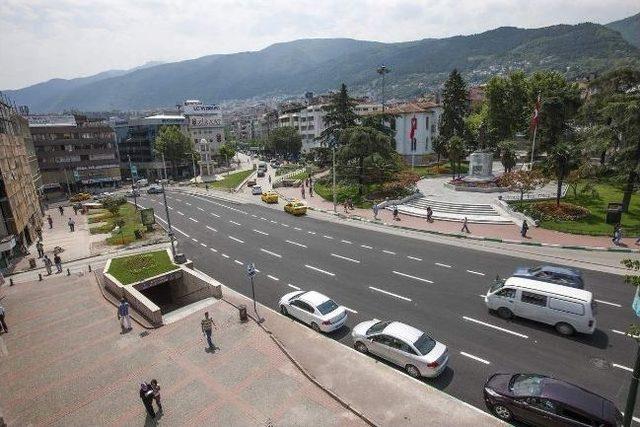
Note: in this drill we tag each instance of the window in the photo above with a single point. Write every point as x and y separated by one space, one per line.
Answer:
327 307
424 344
575 416
544 404
377 327
566 306
526 384
383 339
507 293
536 299
303 305
402 346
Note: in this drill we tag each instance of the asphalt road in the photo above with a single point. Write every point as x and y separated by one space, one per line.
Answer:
432 286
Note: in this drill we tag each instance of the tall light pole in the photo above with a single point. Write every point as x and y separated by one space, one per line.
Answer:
332 142
193 163
382 70
166 212
164 166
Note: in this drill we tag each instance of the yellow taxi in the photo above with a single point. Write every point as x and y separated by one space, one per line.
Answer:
295 207
269 197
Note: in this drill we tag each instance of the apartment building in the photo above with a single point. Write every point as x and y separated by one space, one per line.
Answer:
204 125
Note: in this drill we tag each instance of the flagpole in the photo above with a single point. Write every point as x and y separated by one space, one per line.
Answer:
536 119
533 145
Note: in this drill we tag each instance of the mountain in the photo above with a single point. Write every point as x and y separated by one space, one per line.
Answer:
322 64
629 28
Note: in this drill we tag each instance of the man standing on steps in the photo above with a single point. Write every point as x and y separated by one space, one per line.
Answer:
207 329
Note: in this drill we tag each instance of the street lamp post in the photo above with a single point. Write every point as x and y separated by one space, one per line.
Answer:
382 70
193 163
164 166
133 183
335 201
166 212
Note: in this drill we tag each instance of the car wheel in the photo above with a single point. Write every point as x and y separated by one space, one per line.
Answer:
361 348
283 310
315 327
413 371
502 412
565 329
505 313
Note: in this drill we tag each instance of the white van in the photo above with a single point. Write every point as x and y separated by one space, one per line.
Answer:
568 309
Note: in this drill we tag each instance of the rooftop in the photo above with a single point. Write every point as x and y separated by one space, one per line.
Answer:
412 107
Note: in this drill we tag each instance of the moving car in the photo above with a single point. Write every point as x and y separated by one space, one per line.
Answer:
315 309
403 345
547 273
251 183
270 197
260 173
295 207
569 310
544 401
256 190
154 189
142 182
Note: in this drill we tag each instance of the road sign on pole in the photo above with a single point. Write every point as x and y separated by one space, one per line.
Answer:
251 272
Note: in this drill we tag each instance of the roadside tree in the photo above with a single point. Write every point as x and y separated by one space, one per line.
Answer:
176 146
284 141
340 114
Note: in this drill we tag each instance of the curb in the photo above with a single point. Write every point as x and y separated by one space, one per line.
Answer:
479 238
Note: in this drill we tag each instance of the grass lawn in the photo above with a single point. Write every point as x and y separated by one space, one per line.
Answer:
443 168
343 192
134 268
595 224
231 181
126 234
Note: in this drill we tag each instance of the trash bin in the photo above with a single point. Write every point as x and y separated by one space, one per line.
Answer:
242 309
614 213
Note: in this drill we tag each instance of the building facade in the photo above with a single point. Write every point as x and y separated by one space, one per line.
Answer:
20 210
204 125
75 154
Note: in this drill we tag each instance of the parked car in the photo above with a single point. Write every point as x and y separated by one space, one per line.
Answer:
143 182
403 345
251 183
270 197
260 173
315 309
155 189
547 273
569 310
544 401
295 207
256 190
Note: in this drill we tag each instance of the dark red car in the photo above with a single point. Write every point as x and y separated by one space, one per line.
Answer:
543 401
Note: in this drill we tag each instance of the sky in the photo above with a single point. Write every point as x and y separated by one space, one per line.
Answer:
45 39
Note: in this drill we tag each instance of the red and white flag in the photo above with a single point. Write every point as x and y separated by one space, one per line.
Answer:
536 114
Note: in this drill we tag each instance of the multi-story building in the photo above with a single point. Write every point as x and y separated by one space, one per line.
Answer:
75 154
20 211
205 127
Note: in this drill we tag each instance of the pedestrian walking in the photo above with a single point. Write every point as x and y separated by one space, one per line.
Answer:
58 262
61 209
302 191
617 234
47 264
40 248
375 211
310 190
429 214
75 209
146 395
269 179
39 233
465 225
524 229
306 181
50 221
206 187
3 324
346 206
156 394
72 225
350 200
396 214
207 330
123 315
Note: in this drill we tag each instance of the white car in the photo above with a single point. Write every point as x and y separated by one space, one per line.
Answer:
314 309
403 345
256 190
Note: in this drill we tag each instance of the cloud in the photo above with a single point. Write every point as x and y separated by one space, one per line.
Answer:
43 39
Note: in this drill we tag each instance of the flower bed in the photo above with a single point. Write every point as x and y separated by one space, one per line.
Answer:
550 211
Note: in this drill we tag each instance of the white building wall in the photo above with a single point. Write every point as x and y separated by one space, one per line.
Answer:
427 129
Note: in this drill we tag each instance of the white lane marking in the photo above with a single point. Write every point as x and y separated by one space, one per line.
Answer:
195 240
284 225
443 265
346 241
260 232
327 237
238 262
233 222
366 246
213 250
202 244
193 219
296 243
272 277
157 217
271 253
292 286
215 214
180 231
498 328
187 203
311 232
180 213
170 207
257 271
471 356
254 216
225 255
297 228
200 209
475 272
345 258
263 218
624 333
179 200
615 365
275 222
414 258
608 303
212 229
390 293
236 239
351 310
411 277
319 270
388 252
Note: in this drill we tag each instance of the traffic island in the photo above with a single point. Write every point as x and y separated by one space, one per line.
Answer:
154 285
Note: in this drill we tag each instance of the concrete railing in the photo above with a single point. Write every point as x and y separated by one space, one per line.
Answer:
413 196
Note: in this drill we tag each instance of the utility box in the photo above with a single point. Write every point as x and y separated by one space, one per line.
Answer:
242 310
614 213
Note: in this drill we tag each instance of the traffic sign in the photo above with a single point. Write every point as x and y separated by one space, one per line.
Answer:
251 270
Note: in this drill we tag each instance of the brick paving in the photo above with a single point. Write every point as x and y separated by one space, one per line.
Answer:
67 364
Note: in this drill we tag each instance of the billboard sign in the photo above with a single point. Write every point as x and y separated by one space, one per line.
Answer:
205 121
200 109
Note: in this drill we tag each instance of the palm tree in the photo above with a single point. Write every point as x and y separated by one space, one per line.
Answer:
561 159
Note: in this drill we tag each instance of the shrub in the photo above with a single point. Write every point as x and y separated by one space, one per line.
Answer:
80 197
550 211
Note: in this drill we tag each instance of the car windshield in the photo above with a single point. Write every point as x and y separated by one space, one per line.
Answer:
327 306
526 385
377 327
424 344
534 270
496 285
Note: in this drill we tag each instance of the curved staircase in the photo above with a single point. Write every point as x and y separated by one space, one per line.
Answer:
449 211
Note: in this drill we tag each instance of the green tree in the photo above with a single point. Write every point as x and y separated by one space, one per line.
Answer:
439 146
340 114
227 151
455 106
478 134
176 146
456 150
285 141
381 122
508 104
561 160
508 156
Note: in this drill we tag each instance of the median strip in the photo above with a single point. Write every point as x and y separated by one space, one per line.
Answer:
319 270
498 328
412 277
390 293
345 258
